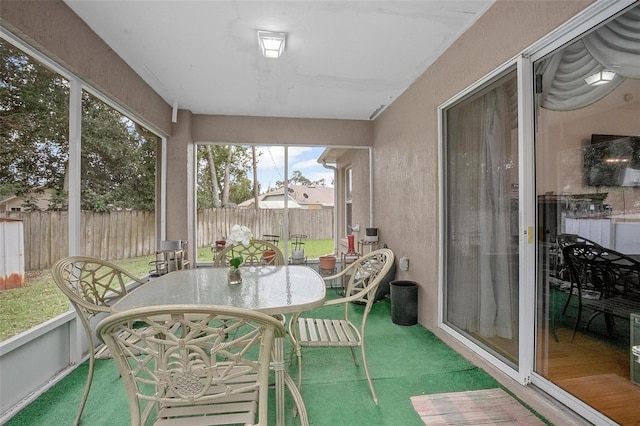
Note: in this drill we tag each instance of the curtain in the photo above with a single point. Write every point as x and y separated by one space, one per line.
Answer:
481 169
614 47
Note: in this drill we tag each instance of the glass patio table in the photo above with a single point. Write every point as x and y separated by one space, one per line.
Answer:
273 290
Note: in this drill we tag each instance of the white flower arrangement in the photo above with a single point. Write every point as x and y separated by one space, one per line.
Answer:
239 235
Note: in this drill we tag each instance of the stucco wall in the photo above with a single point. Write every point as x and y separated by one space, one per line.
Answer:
358 161
282 131
406 134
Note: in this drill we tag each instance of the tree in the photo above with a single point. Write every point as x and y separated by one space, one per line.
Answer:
33 122
118 160
223 172
215 188
298 179
118 157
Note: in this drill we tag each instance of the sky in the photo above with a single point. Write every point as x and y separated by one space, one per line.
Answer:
304 159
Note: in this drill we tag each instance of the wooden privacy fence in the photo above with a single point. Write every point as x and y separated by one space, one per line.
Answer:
215 224
109 236
125 234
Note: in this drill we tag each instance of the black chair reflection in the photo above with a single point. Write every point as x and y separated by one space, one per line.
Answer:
611 278
564 240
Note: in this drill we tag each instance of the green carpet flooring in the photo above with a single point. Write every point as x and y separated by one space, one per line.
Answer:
404 361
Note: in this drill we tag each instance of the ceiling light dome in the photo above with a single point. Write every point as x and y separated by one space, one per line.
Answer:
271 44
600 78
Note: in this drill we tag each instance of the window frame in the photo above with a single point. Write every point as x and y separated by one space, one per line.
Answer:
348 199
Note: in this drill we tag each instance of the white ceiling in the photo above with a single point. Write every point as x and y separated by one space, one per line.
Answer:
343 59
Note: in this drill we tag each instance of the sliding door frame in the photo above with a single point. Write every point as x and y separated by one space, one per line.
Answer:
572 30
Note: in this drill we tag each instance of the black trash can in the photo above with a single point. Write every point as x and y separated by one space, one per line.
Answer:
404 302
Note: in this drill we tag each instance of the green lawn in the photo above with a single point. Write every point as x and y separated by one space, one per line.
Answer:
40 299
312 250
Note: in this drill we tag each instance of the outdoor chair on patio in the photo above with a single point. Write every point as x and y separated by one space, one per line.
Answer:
259 252
171 257
91 285
193 365
363 275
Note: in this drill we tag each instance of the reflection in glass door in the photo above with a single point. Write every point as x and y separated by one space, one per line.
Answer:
588 192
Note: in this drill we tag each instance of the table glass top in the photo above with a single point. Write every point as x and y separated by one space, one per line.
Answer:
269 289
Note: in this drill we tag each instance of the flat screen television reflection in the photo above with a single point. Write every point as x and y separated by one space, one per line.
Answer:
612 160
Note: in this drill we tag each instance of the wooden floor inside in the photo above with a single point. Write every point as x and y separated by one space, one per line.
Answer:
593 370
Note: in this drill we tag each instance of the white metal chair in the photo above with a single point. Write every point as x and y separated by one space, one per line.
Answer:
172 256
259 252
91 286
193 365
364 276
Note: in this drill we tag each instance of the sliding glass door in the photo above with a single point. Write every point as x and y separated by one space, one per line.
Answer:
587 164
481 249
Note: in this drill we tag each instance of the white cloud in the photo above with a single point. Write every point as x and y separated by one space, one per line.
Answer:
271 164
326 175
301 165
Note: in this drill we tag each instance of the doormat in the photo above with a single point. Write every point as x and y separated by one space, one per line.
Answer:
482 407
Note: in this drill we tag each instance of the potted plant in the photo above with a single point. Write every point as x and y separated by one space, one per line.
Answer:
268 256
327 263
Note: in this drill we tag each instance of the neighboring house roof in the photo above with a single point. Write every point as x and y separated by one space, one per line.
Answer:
312 195
41 198
270 201
7 199
300 196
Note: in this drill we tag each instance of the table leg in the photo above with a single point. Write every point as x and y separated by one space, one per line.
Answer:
282 378
278 365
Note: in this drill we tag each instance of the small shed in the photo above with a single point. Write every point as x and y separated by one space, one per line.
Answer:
11 253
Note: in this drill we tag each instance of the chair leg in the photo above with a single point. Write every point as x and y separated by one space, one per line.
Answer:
566 304
353 355
295 349
575 327
595 314
300 408
299 368
87 386
366 372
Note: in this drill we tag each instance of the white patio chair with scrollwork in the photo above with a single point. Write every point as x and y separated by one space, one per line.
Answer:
364 276
193 364
258 252
92 286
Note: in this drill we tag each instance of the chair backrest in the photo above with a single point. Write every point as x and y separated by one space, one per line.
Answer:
609 272
259 252
564 240
365 275
91 284
172 244
192 361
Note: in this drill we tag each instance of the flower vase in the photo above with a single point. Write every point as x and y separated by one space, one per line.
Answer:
234 276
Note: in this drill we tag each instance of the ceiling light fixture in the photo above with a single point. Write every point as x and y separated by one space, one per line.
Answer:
600 78
271 44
